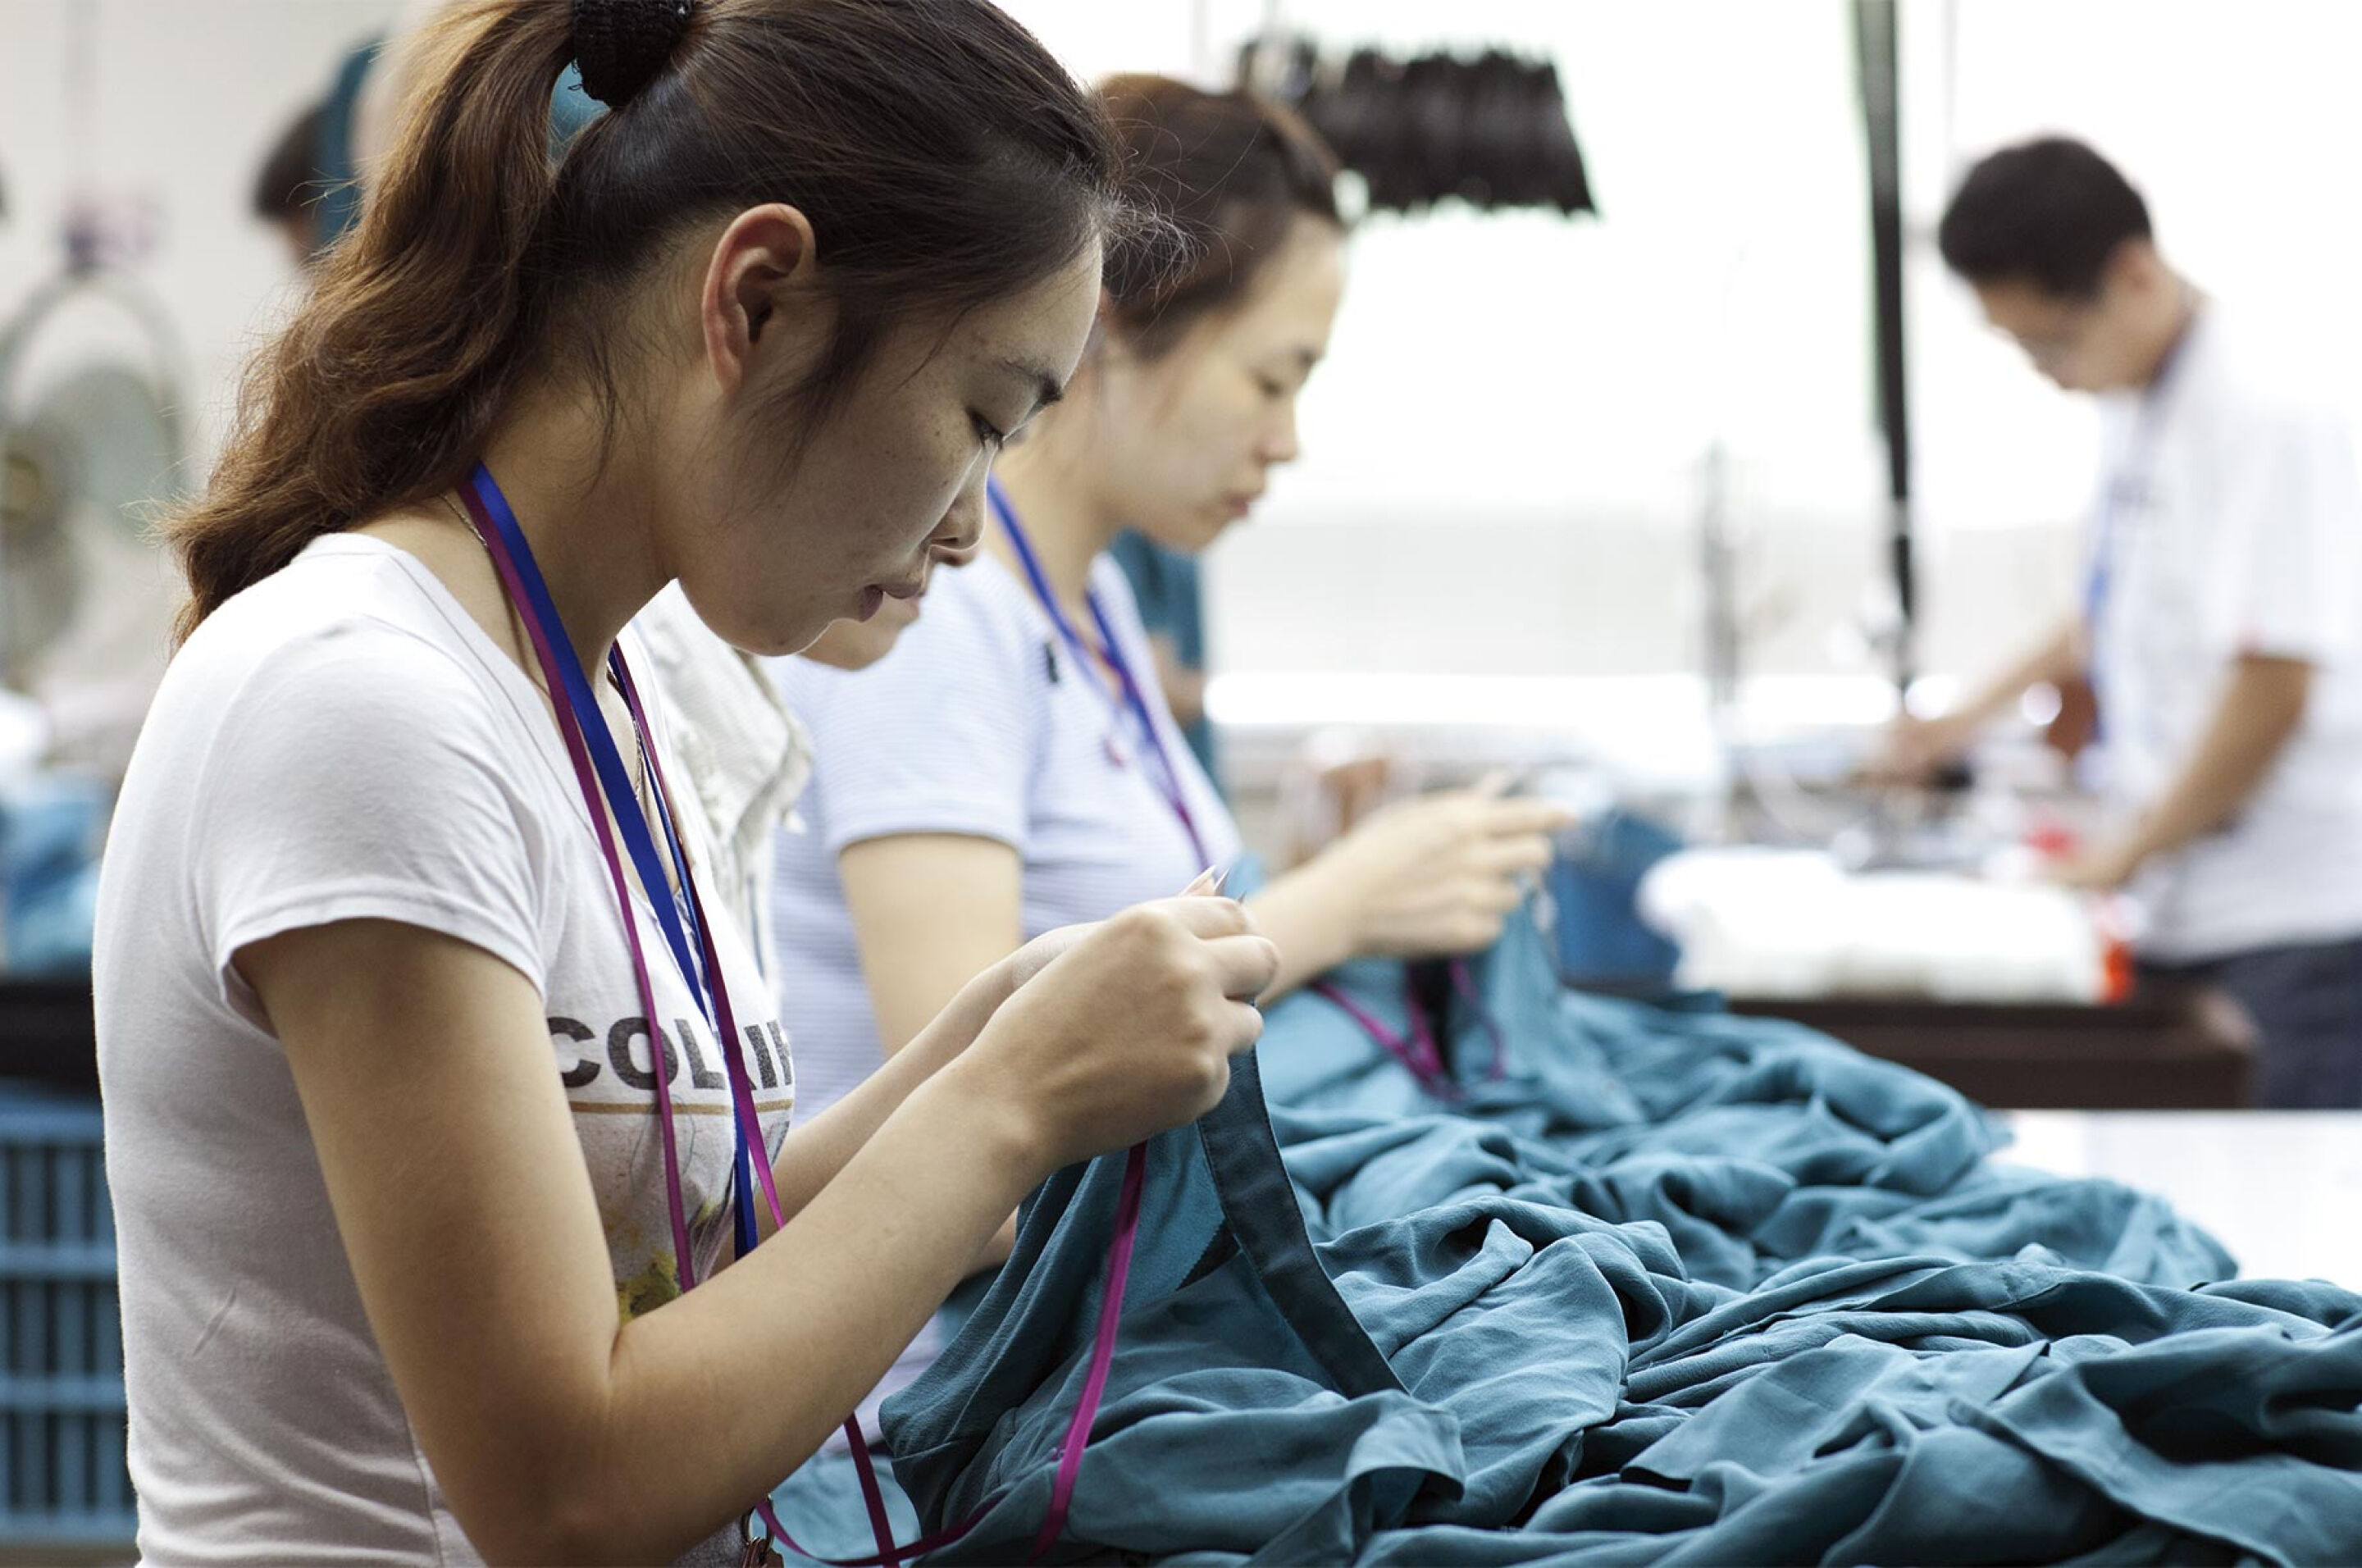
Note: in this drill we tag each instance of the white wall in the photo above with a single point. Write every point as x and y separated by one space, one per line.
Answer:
1502 455
1503 450
191 95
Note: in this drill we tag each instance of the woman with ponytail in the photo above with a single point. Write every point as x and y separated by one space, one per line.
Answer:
431 1089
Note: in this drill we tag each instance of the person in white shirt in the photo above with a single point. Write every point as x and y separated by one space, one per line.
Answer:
458 1215
1013 767
2220 622
744 755
993 778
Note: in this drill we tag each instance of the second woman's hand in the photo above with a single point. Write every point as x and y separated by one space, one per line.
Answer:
1035 956
1124 1029
1437 874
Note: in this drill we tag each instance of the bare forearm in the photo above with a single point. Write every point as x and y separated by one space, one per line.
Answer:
1185 695
1304 921
559 1437
716 1396
826 1305
816 1153
931 913
2057 659
998 1250
2258 713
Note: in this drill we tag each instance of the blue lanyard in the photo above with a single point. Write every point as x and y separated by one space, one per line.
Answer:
1130 698
598 768
680 917
2126 487
613 778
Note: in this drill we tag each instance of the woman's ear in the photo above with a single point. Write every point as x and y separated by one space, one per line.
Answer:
758 274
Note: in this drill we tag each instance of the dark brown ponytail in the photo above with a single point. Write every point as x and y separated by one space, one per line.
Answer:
944 157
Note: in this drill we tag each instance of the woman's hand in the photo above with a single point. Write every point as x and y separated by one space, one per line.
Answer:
1434 876
1114 1032
1914 750
1035 956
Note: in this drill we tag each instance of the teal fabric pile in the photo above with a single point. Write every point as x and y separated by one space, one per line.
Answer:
1672 1288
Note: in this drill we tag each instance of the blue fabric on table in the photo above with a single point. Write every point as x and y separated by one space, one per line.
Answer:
1676 1287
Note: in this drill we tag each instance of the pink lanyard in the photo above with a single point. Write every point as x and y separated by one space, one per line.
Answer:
1414 1049
1417 1049
1135 1169
521 578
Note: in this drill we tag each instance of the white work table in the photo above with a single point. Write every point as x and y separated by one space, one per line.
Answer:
2281 1189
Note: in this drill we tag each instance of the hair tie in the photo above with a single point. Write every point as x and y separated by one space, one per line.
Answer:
621 45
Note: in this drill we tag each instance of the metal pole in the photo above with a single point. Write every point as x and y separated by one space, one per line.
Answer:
1874 40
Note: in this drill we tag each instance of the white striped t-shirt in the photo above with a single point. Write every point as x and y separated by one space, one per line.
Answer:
978 722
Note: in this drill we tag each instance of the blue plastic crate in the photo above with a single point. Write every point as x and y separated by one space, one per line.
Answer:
63 1477
53 1327
51 826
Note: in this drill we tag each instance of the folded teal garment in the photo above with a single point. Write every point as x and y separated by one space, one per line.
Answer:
2245 1434
1568 1397
1226 1254
1672 1288
1755 1142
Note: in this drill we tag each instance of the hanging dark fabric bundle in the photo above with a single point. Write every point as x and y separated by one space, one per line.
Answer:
1491 131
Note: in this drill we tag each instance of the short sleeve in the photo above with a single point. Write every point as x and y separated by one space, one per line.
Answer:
940 736
364 775
2292 579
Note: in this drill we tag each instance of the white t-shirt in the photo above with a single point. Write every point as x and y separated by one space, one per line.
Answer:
978 722
744 757
343 741
2232 525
